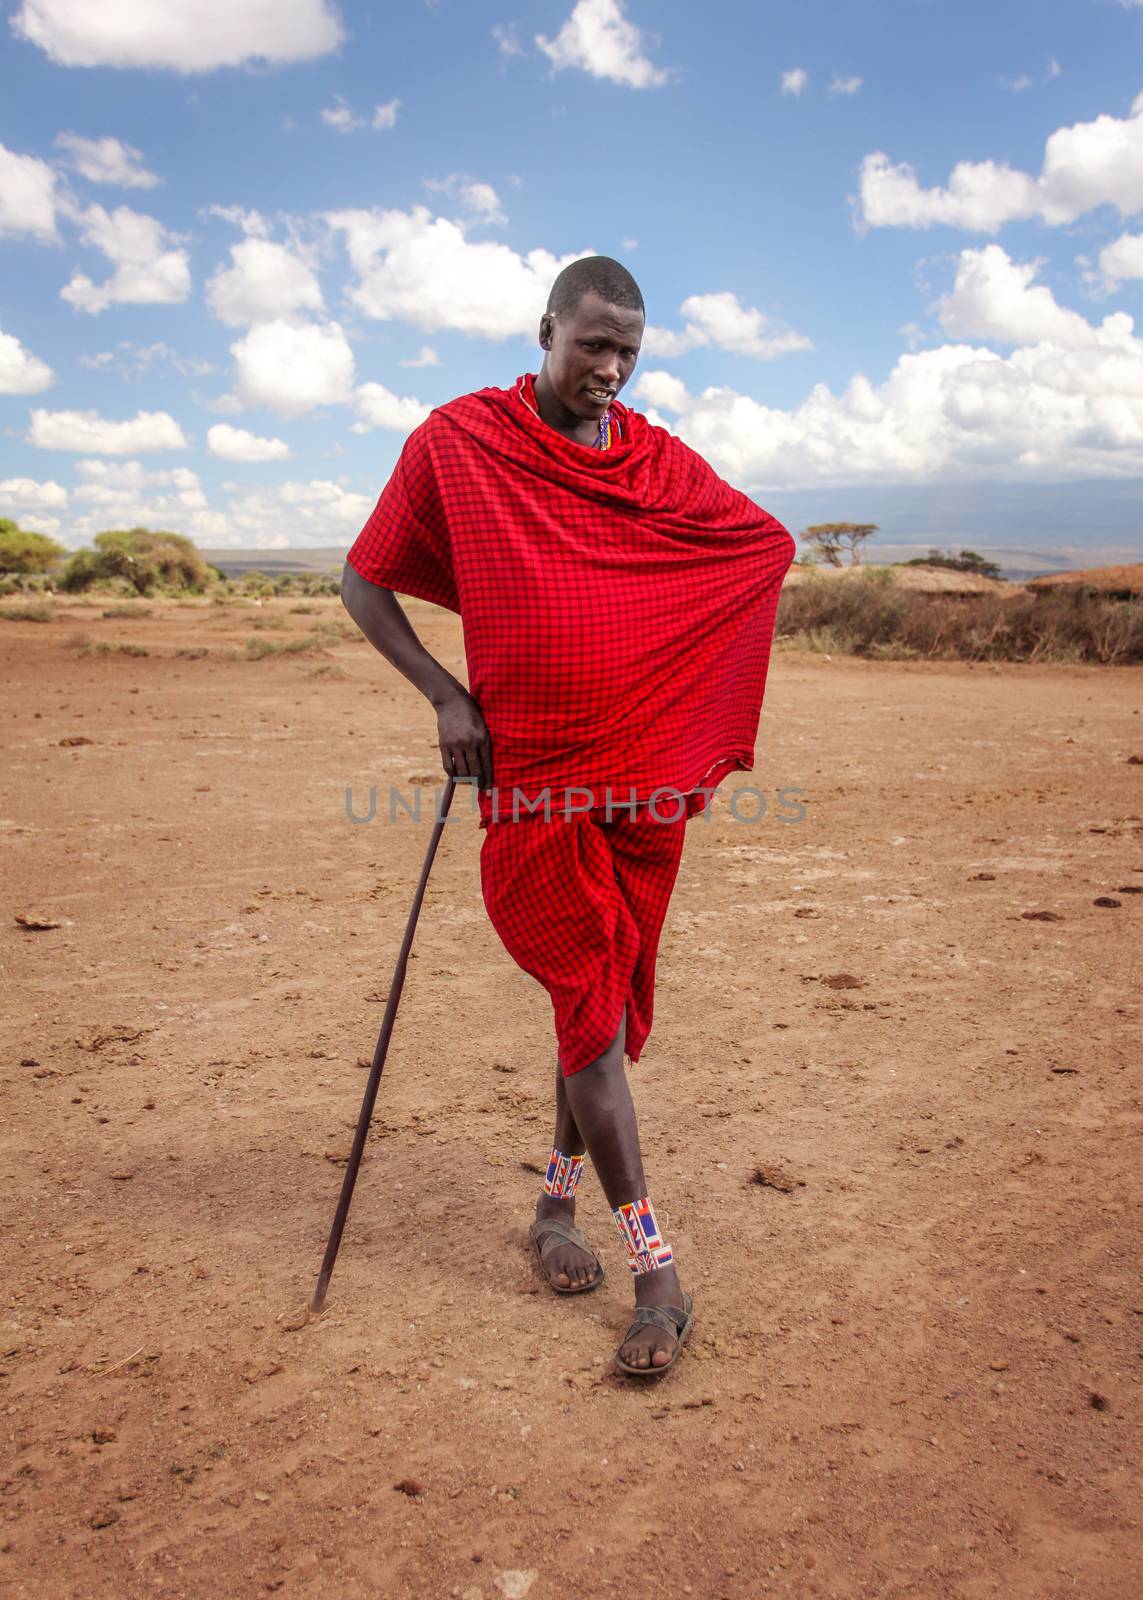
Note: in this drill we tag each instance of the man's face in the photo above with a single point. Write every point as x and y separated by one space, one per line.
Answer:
591 353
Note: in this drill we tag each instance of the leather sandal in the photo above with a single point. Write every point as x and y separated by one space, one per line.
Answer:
547 1235
672 1319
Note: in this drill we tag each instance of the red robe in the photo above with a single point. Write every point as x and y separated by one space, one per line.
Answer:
618 609
618 605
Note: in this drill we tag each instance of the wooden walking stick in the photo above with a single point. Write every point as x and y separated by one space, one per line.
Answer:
379 1054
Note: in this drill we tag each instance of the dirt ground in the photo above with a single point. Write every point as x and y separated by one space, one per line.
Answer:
915 1369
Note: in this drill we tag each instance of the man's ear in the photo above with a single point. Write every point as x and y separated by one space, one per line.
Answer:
546 332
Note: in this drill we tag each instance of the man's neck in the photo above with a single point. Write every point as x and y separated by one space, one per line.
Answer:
553 411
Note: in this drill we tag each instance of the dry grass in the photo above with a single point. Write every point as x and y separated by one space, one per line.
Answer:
872 616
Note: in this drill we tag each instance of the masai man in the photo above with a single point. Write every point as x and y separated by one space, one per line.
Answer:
618 604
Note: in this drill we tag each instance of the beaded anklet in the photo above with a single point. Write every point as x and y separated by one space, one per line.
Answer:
562 1178
646 1250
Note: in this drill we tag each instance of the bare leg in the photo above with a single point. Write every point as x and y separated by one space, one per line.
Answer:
569 1266
599 1100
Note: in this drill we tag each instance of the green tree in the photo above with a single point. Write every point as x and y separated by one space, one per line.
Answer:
967 561
22 551
830 539
146 558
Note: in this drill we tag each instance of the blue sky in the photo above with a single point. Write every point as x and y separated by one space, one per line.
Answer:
892 253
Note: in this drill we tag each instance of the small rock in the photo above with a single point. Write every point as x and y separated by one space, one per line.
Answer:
34 920
410 1486
843 980
76 739
998 1366
103 1519
103 1435
1098 1402
515 1584
1107 900
1041 916
771 1177
122 1177
983 877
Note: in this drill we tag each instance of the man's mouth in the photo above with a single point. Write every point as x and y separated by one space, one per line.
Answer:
602 395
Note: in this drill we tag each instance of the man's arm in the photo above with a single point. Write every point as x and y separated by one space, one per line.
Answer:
465 745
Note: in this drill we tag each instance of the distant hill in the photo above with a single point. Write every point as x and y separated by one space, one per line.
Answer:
325 560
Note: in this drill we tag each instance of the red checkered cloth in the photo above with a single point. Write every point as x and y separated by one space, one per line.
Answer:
618 609
580 905
618 605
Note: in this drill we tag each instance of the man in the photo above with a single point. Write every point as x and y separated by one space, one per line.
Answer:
618 602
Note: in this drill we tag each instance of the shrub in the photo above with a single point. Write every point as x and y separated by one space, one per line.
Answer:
31 613
21 551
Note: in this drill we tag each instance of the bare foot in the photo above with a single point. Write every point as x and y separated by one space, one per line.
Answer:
649 1346
567 1265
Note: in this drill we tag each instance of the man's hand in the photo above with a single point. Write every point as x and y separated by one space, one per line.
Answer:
466 746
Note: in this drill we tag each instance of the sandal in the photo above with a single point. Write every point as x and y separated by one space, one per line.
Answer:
673 1319
558 1232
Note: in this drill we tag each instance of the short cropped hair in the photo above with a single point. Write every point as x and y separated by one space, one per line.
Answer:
600 275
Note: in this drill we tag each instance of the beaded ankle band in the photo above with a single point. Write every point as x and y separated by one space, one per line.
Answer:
646 1251
562 1178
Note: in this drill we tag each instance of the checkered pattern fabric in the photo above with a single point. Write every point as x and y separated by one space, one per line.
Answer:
618 604
580 905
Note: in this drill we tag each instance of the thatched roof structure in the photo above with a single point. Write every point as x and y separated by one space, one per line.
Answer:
918 579
1125 582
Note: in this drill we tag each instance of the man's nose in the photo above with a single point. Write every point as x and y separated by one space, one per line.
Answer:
607 368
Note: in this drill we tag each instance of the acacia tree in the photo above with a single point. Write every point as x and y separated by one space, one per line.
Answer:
830 539
23 552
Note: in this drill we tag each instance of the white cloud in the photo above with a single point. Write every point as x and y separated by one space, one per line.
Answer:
183 35
133 361
479 200
147 270
265 281
721 320
344 119
342 116
20 371
845 85
25 494
291 369
116 483
1044 413
1016 85
125 494
317 512
743 329
252 223
425 357
88 432
378 407
1119 261
996 298
507 41
417 268
1054 68
27 196
599 39
107 160
1086 165
794 81
235 444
